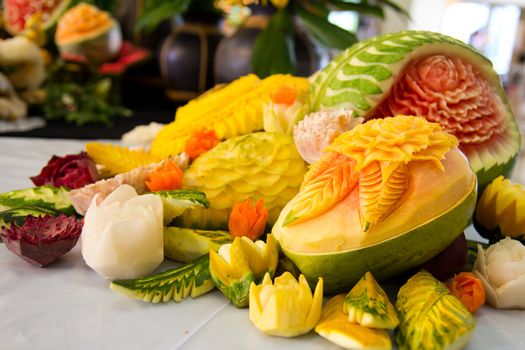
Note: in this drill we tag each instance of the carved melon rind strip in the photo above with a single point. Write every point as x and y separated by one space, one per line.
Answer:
362 74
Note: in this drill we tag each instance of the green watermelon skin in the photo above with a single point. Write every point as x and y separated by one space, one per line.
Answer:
360 76
363 76
191 279
341 270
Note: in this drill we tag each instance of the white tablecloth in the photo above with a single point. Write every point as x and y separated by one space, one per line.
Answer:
68 306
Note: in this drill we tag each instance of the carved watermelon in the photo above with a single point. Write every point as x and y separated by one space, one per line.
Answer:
429 75
17 12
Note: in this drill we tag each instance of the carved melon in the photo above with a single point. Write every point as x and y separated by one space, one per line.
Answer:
429 75
261 165
384 226
230 110
87 33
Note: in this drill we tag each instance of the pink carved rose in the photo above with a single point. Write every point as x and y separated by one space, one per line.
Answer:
449 91
72 171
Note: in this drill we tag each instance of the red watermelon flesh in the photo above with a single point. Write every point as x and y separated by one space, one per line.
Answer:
452 92
17 12
430 75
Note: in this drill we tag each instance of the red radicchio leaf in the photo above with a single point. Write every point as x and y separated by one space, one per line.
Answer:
42 239
72 171
449 261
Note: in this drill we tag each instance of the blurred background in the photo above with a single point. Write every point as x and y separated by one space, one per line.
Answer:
173 51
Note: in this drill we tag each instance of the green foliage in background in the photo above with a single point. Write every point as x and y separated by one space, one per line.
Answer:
274 49
106 5
78 94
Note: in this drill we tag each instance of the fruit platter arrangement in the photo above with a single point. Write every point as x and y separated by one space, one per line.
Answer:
333 205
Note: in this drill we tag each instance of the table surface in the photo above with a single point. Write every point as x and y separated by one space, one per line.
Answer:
68 306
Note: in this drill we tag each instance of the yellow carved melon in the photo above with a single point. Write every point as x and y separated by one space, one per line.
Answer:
408 194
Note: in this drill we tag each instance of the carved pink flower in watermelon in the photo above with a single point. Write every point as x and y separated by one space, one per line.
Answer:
16 12
451 92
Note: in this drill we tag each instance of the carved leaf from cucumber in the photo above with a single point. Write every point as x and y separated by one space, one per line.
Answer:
175 202
186 244
36 201
192 279
368 305
430 317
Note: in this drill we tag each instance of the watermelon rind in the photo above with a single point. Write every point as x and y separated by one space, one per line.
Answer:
361 77
186 245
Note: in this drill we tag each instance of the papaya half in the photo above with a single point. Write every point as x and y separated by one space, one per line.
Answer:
383 206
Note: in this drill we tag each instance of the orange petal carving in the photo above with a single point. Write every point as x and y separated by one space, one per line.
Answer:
248 220
328 182
381 185
168 176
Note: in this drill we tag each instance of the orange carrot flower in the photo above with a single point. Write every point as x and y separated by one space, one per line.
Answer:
200 142
248 220
284 94
468 289
168 176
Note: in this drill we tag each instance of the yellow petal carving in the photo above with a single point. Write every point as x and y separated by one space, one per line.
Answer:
334 326
382 148
370 186
381 185
116 159
396 139
328 182
229 110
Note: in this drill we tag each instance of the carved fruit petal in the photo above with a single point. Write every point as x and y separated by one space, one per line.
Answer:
370 186
328 182
381 185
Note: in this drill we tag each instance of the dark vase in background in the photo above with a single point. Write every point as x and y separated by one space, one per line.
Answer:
128 13
142 84
186 57
233 56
